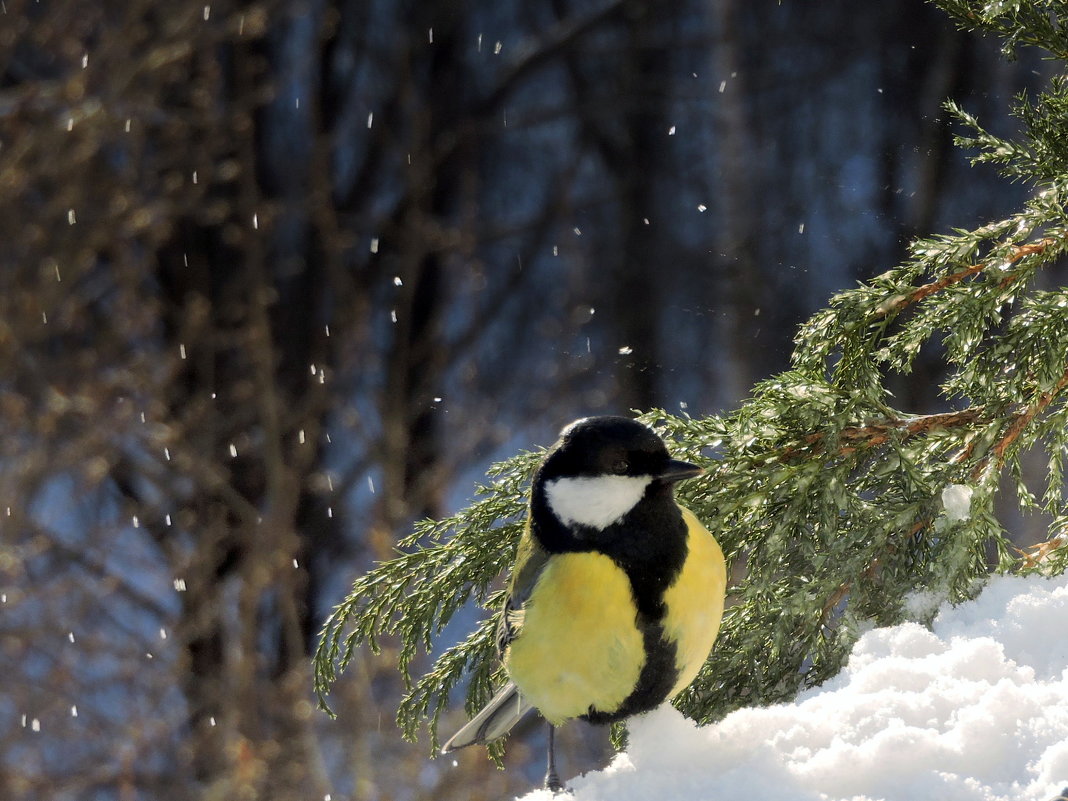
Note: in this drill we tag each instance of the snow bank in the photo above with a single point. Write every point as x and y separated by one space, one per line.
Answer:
974 710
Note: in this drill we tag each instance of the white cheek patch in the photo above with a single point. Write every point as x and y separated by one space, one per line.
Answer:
595 501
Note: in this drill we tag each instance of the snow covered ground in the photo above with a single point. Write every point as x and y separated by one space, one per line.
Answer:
974 710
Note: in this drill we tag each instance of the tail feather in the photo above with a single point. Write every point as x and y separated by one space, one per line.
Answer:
494 720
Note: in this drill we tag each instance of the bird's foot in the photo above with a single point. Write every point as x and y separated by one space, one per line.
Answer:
554 785
552 778
552 781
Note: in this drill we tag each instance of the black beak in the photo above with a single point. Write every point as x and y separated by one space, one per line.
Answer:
676 470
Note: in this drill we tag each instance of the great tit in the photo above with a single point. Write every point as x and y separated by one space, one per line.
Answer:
617 591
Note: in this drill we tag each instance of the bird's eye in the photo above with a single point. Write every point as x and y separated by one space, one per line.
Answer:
620 467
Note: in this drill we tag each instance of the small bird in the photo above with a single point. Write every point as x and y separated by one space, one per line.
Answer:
617 591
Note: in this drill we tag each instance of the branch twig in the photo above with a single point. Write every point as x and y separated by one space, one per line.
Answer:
898 302
868 435
1021 420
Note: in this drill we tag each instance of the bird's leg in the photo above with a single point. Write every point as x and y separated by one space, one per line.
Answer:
552 778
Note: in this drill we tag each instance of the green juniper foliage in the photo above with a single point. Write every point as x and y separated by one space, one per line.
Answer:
836 505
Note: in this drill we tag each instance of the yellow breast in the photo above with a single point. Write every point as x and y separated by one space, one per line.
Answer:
695 602
579 645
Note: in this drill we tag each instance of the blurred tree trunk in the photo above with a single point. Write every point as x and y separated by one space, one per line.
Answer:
249 311
738 275
935 68
628 138
637 305
412 252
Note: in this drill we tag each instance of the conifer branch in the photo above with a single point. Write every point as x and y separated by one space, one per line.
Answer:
877 433
1016 427
869 435
899 302
873 434
1035 555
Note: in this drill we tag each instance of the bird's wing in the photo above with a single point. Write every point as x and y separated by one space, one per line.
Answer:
506 708
494 720
530 561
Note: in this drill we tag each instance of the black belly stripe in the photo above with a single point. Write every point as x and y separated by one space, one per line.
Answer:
650 545
658 676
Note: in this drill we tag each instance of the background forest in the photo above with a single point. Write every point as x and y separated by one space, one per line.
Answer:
278 279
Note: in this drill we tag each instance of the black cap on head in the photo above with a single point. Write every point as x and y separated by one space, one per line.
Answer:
612 445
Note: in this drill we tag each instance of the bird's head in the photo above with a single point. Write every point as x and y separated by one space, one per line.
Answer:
602 466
